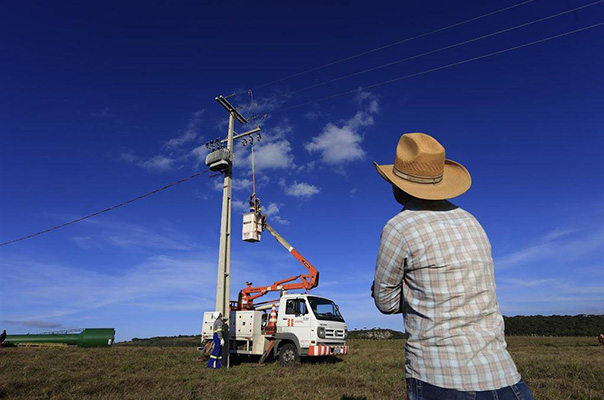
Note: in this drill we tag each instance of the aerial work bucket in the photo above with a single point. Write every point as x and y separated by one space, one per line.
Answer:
252 227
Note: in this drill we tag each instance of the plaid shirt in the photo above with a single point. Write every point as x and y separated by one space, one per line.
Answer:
435 267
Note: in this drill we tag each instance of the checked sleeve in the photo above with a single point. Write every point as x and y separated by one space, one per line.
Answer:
390 271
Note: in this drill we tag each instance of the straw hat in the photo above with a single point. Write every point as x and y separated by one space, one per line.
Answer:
420 169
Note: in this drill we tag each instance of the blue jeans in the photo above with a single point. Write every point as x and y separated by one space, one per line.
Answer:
418 390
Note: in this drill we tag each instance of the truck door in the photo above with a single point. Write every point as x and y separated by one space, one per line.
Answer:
296 320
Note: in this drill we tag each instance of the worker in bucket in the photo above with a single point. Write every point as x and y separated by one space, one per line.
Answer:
216 355
435 267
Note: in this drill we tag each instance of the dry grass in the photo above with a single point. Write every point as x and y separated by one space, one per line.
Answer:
555 368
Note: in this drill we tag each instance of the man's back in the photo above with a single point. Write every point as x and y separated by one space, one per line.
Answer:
442 259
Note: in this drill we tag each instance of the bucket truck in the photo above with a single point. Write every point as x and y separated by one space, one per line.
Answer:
299 324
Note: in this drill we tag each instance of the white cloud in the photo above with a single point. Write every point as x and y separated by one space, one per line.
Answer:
276 154
240 206
529 282
367 100
67 294
553 249
200 153
190 132
129 157
175 152
272 212
302 189
77 289
548 295
557 233
274 151
158 163
337 144
312 115
130 236
341 143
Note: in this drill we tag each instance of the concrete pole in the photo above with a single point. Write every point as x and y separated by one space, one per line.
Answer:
223 285
224 255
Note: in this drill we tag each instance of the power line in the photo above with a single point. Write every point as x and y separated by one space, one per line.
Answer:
434 69
386 46
178 182
437 50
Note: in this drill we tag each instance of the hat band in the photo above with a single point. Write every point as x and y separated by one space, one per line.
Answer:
416 178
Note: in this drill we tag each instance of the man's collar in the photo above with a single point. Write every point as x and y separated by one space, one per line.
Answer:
433 205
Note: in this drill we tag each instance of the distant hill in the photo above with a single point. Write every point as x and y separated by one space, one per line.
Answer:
376 334
165 341
194 341
532 325
554 325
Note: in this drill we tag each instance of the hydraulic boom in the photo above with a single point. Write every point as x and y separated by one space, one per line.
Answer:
306 281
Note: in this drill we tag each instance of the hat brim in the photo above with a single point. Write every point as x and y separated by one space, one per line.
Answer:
456 181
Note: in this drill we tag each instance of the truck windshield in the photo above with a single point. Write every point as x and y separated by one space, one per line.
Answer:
325 309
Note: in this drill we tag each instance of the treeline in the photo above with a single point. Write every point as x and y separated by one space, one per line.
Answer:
165 341
532 325
554 325
375 334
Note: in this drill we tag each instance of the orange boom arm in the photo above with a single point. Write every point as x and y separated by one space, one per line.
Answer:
306 281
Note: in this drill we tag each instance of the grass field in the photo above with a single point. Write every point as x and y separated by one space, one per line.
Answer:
554 368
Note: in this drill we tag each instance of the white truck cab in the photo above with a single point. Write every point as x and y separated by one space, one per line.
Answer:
313 324
307 325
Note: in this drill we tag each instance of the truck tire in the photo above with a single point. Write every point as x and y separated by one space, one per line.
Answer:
288 355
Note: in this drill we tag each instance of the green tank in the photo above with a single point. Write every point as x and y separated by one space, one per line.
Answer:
90 337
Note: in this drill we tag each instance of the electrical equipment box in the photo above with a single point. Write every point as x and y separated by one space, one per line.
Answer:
207 328
252 228
245 324
219 160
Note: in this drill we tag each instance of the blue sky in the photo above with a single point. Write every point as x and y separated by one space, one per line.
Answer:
101 103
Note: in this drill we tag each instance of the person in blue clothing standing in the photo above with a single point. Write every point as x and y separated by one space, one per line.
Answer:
216 355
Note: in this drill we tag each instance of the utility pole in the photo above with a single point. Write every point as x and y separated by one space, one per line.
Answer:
224 255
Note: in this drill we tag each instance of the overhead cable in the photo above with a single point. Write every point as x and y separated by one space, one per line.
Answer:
387 46
434 69
436 51
178 182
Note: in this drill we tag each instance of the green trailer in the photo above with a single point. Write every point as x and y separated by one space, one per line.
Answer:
90 337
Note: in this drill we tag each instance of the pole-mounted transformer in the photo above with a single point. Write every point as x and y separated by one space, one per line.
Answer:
219 160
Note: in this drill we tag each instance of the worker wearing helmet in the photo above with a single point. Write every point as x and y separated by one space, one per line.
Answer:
436 268
216 355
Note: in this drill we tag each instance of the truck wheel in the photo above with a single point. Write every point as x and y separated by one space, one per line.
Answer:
288 355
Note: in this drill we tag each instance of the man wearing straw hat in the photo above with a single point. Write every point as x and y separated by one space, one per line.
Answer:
435 267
